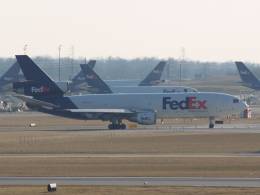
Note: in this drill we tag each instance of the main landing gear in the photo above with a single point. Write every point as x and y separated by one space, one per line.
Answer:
211 122
117 124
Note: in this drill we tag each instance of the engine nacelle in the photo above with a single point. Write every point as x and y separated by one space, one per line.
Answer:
144 118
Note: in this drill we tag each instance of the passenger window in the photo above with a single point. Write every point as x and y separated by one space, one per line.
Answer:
168 91
185 90
235 100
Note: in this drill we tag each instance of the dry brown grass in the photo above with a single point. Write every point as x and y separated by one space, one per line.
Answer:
179 167
128 142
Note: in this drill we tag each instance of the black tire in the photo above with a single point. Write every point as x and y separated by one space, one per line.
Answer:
123 126
211 126
110 126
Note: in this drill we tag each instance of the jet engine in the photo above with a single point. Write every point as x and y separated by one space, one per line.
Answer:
144 118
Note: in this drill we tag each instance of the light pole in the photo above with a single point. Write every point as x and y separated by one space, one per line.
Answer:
182 61
59 59
168 69
25 49
72 61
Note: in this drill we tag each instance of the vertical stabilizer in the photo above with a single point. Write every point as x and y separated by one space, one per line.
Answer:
95 83
38 83
154 77
247 76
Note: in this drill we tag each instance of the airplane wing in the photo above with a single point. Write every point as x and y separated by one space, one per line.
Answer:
39 103
107 111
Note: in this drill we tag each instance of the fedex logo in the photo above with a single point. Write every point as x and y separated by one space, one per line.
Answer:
42 89
81 78
190 103
91 77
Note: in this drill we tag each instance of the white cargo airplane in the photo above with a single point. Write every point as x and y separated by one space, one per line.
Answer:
45 96
97 85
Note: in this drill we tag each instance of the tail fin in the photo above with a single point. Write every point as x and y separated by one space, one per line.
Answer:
91 64
246 75
12 74
38 83
96 84
79 83
80 77
154 77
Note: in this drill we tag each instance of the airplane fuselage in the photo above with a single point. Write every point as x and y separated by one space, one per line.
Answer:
172 105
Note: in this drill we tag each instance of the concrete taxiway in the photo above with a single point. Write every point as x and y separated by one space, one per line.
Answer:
226 128
51 123
56 156
134 181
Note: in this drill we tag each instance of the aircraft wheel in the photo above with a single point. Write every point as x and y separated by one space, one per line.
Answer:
123 126
211 126
110 126
116 126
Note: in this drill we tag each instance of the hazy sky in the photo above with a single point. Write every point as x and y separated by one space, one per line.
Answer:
208 29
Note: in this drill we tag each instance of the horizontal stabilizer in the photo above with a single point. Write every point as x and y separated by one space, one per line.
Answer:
37 103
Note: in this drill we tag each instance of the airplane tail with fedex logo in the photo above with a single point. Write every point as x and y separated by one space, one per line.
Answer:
95 83
79 82
154 77
38 84
247 76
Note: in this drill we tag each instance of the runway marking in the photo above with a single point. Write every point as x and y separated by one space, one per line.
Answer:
247 155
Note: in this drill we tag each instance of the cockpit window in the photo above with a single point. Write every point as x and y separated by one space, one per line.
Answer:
235 100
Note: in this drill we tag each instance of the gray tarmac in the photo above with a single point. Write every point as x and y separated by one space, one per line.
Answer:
226 155
254 128
134 181
226 128
229 128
